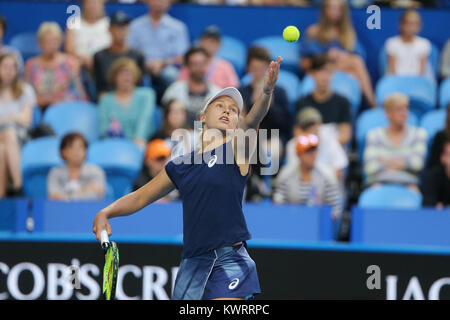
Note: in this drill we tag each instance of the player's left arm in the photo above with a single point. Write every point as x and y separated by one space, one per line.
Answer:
244 151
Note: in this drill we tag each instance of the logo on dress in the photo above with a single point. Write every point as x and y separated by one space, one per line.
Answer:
233 284
212 161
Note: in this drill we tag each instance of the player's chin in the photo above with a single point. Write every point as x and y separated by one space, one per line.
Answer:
225 125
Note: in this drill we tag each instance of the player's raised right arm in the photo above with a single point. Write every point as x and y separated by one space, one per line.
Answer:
155 189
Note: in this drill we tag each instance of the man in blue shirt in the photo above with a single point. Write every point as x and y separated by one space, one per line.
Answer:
163 40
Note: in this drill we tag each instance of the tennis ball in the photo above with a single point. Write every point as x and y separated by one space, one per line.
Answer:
291 34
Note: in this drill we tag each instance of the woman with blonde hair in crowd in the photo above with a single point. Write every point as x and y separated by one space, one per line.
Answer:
54 75
17 99
128 110
334 34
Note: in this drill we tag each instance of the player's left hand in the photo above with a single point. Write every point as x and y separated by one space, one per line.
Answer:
272 75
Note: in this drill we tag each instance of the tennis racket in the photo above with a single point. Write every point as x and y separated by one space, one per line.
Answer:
111 267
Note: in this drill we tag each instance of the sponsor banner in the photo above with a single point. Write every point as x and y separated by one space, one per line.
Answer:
73 270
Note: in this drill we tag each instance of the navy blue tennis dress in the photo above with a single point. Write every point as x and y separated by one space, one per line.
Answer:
211 190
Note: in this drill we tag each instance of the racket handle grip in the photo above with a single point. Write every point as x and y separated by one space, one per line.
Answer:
104 239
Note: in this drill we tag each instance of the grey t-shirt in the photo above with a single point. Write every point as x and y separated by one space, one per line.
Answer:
28 98
58 181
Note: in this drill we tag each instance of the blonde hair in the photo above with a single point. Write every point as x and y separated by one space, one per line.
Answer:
49 27
394 98
121 64
17 85
347 35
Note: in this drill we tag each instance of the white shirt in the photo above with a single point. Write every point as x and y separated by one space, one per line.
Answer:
408 55
92 37
330 152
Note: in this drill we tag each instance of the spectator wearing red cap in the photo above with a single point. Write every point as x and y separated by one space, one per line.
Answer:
156 156
309 183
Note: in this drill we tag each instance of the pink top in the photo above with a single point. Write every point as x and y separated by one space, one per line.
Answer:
220 72
61 83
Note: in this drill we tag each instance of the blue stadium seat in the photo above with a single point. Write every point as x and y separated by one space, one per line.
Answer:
27 43
277 46
433 121
433 60
36 117
421 92
390 196
371 119
287 80
444 93
38 157
343 84
121 159
77 116
234 51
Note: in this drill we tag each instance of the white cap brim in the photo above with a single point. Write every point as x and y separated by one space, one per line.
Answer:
231 92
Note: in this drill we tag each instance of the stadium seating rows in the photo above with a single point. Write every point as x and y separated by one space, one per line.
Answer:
425 97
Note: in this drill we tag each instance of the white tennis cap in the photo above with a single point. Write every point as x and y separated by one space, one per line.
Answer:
231 92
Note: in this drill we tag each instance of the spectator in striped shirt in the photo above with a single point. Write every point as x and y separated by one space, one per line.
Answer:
396 153
310 182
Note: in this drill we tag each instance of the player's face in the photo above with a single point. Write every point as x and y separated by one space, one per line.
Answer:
397 113
8 70
75 153
257 68
222 114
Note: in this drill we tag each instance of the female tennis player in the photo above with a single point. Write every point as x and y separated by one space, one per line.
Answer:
215 263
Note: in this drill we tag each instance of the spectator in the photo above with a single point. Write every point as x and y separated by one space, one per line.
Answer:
277 117
436 186
220 72
119 26
174 118
75 180
335 36
434 158
54 75
445 60
196 89
309 182
408 53
334 108
396 153
9 49
127 111
330 152
156 157
91 35
17 100
163 40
